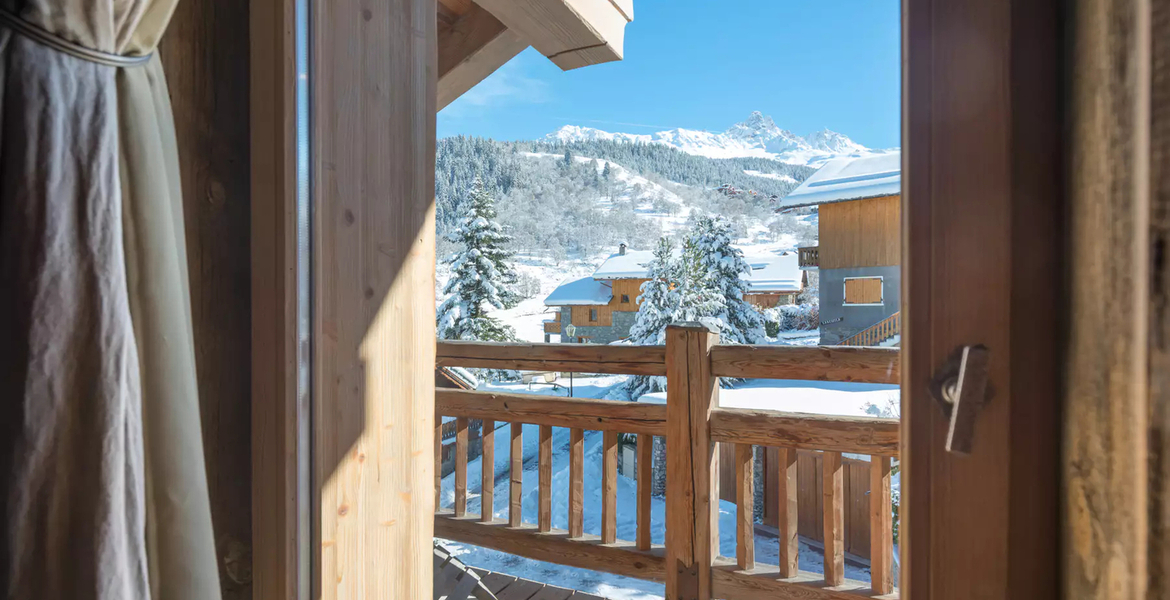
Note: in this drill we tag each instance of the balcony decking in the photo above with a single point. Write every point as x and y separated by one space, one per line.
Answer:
810 257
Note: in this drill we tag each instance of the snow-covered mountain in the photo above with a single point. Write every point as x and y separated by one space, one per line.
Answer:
758 136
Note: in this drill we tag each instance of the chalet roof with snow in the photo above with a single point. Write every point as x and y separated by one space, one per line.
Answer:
631 265
844 179
775 273
585 291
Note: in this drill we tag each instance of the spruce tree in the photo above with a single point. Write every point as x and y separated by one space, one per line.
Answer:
725 270
657 307
481 278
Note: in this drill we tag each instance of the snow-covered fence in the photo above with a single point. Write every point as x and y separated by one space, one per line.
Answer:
692 423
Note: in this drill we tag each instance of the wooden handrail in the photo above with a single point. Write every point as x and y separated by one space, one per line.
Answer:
556 411
820 363
876 333
858 435
575 358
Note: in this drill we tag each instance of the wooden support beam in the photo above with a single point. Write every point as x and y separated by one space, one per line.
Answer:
881 526
645 484
471 49
823 363
460 466
609 488
582 413
834 506
745 518
575 358
487 478
786 511
862 435
576 482
571 33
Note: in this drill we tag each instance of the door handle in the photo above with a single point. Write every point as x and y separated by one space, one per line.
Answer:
961 388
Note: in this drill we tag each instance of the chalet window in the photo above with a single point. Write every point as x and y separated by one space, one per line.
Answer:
592 314
863 291
625 299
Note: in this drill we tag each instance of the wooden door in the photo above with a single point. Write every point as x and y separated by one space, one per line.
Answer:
982 218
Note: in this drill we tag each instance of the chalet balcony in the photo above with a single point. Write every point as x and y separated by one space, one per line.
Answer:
810 257
693 425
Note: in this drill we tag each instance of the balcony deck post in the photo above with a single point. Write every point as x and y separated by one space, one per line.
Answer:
692 490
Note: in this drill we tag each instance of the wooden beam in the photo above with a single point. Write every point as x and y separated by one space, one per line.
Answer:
557 411
645 472
576 358
576 482
571 33
788 525
544 506
766 583
472 48
834 519
881 526
861 435
745 518
487 473
824 363
586 552
609 458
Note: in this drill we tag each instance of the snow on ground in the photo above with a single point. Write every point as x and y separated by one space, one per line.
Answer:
830 398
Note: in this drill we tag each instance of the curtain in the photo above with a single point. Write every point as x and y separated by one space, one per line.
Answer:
104 491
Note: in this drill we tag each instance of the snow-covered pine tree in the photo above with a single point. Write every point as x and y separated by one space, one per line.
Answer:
481 277
725 269
658 304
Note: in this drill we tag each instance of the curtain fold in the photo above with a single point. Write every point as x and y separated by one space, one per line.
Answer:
101 458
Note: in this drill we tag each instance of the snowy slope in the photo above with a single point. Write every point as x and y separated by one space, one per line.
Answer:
758 136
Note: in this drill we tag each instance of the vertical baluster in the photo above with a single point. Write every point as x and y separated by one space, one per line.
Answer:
745 522
516 489
881 526
576 482
788 525
460 466
438 461
834 505
645 473
545 511
609 489
487 478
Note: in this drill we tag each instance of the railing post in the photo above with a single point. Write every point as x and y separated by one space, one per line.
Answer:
692 465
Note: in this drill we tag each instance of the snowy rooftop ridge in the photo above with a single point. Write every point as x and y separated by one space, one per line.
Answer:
843 179
631 265
585 291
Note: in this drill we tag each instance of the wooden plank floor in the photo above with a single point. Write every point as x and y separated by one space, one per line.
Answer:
509 587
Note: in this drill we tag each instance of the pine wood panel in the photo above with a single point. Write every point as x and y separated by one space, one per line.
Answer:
863 290
645 474
580 358
862 435
487 481
373 90
544 507
630 288
603 415
460 466
580 316
826 363
576 482
745 518
861 233
881 528
787 509
834 538
609 456
516 475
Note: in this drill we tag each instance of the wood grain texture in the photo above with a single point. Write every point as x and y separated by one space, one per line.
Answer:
583 413
1159 566
861 435
764 583
460 466
470 49
834 539
861 233
745 516
578 358
516 476
645 472
609 456
576 482
208 80
586 552
572 33
787 513
1107 403
373 152
544 504
487 482
881 526
591 316
825 363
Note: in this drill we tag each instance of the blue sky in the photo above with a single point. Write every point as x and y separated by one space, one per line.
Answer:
706 64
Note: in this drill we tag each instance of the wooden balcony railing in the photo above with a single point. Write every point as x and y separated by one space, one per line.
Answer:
877 333
810 257
692 422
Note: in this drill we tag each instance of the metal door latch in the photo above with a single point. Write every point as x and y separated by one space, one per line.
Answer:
961 388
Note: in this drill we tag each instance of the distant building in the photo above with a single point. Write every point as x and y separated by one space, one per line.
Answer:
859 249
602 307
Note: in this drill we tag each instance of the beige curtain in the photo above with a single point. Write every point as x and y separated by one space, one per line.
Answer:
101 460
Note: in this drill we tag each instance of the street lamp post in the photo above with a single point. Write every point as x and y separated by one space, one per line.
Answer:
571 331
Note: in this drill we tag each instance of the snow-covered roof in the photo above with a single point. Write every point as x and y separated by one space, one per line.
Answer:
631 265
580 292
844 179
775 273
